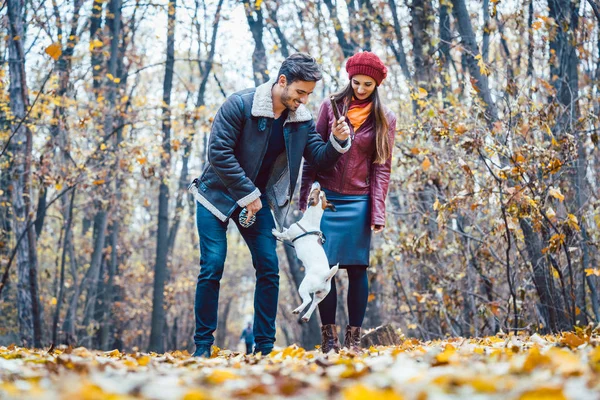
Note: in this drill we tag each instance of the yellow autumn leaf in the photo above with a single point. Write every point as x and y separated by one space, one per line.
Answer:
114 353
102 146
195 394
536 25
99 182
144 360
362 392
554 192
572 340
422 93
594 359
483 385
572 222
592 271
53 301
426 164
445 356
547 393
58 186
219 376
54 51
95 44
258 3
483 69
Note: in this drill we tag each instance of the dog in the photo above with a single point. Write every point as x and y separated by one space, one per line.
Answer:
308 241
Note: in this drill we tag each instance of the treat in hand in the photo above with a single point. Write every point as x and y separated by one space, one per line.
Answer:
244 220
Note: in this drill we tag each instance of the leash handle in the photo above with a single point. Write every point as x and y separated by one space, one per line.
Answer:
336 111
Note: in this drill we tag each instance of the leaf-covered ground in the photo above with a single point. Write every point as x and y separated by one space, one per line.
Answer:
500 367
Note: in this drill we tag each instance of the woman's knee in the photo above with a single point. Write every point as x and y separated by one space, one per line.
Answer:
357 272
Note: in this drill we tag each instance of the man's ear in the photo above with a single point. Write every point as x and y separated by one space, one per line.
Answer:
282 80
330 206
332 272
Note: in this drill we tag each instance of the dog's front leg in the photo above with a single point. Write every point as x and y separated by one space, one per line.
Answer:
283 235
312 308
305 299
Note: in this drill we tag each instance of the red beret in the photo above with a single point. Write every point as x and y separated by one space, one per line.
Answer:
366 63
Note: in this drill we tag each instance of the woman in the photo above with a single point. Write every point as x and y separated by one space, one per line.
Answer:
357 186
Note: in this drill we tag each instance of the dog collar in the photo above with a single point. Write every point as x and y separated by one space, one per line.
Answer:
306 233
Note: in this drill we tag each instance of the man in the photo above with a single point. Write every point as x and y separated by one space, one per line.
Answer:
257 142
248 338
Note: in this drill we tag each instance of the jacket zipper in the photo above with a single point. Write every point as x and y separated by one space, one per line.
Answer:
287 155
262 156
343 180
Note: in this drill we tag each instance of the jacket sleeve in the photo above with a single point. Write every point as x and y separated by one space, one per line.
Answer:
224 136
320 152
309 172
380 179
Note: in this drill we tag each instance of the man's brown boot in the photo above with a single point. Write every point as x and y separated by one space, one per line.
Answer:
352 338
329 339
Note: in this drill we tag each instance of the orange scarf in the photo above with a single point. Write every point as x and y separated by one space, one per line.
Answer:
359 112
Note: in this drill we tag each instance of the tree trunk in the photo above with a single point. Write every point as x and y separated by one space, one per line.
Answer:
530 43
551 305
61 285
485 46
364 15
565 65
259 55
400 54
21 147
187 143
92 277
283 43
347 46
445 39
382 336
221 334
160 267
420 12
478 80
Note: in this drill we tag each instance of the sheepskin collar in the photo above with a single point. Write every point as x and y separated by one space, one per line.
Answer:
263 105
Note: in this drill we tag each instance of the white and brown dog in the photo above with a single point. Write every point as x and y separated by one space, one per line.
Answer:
308 241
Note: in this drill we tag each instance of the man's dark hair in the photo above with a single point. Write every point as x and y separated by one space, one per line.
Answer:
300 67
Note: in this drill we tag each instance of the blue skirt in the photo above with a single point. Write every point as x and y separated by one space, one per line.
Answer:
347 230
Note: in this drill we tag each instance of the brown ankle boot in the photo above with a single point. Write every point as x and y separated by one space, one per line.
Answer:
352 338
329 339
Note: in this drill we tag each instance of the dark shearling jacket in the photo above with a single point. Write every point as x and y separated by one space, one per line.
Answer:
238 141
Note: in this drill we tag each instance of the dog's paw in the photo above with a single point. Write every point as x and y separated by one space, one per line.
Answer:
275 232
305 319
296 311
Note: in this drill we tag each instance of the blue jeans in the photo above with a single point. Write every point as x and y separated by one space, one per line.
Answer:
213 249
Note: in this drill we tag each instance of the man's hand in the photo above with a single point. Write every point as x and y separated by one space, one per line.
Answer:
340 129
253 207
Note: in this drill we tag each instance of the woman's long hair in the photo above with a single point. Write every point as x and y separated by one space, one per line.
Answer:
383 149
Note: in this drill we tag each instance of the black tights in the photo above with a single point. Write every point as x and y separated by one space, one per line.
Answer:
358 295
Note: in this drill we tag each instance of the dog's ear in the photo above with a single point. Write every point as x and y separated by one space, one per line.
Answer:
332 272
330 206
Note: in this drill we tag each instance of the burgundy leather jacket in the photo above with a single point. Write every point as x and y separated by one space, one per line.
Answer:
355 172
